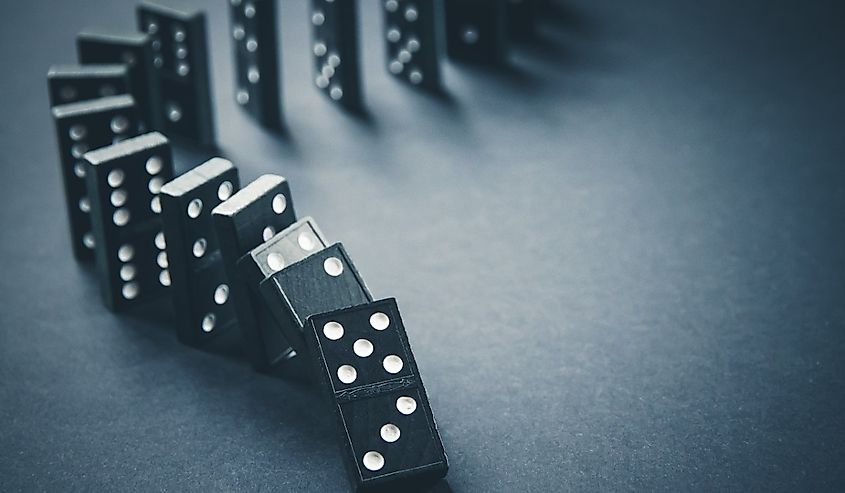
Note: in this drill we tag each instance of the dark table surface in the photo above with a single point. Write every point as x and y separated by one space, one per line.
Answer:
620 261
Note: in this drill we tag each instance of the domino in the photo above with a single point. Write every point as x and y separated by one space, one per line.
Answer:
124 181
180 64
324 281
522 16
73 83
133 50
335 51
250 217
199 286
413 53
255 47
386 428
296 242
476 31
82 126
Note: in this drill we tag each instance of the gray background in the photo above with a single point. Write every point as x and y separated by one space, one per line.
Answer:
620 262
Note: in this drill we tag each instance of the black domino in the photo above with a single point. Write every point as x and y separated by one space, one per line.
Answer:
384 421
296 242
133 50
180 64
124 181
476 30
255 46
80 127
522 17
413 54
335 51
249 218
72 83
324 281
199 286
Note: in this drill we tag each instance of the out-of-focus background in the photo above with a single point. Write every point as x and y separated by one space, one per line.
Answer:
620 260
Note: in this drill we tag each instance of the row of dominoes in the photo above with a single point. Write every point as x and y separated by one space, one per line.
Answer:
165 67
238 257
230 257
476 31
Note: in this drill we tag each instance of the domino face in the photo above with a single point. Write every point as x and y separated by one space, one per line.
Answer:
385 424
80 127
135 51
257 82
522 15
124 181
411 37
72 83
335 51
296 242
476 30
250 217
324 281
180 64
199 285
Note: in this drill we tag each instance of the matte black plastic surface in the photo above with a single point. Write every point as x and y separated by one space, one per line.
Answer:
256 48
124 181
477 31
335 51
250 217
324 281
133 50
180 65
522 18
412 39
381 407
72 83
80 127
199 285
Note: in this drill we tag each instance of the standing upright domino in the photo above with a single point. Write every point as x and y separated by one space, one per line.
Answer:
82 126
199 284
257 82
124 181
249 218
385 425
477 31
180 62
335 51
133 50
413 52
